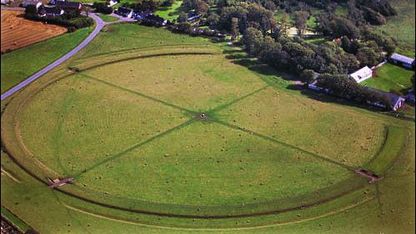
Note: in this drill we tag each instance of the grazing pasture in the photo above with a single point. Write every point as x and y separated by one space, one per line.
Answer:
18 32
402 26
172 136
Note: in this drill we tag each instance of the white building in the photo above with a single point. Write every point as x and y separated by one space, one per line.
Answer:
362 74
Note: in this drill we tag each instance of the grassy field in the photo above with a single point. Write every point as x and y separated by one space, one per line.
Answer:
108 18
390 77
127 127
170 13
15 66
402 26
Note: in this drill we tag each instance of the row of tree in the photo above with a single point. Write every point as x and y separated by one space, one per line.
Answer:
342 86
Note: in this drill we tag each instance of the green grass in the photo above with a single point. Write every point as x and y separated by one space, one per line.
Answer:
312 22
108 18
170 13
16 221
390 77
341 11
402 26
124 126
15 66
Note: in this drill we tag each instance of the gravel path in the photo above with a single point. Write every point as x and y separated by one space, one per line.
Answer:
99 25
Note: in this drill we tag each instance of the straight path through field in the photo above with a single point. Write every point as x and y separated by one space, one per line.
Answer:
119 154
138 93
99 25
283 143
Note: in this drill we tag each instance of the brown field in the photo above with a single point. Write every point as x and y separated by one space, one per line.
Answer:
17 32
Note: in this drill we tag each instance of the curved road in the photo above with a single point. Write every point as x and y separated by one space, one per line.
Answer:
99 25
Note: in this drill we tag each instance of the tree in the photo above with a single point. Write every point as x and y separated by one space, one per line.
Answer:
31 10
201 7
368 57
284 23
234 28
213 20
300 21
253 39
307 76
183 17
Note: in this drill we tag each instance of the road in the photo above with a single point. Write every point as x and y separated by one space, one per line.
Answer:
99 25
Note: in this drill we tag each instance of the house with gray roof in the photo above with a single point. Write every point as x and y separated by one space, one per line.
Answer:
402 60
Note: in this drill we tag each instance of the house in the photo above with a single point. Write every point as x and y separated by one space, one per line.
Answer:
141 14
402 60
396 101
69 6
53 2
315 87
50 11
124 11
362 74
192 16
36 3
112 3
4 2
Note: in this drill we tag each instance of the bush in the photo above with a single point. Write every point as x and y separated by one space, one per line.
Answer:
81 22
102 8
72 29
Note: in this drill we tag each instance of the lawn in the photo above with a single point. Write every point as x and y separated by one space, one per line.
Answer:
108 18
127 126
16 65
390 77
170 13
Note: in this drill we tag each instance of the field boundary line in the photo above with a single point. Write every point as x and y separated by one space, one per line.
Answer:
144 57
147 48
350 168
222 229
138 93
133 147
10 175
225 105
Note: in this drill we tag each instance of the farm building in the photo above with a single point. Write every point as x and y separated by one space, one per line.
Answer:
68 6
112 3
124 11
50 11
402 60
36 3
362 74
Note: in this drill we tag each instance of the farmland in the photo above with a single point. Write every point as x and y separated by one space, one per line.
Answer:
125 122
18 32
15 66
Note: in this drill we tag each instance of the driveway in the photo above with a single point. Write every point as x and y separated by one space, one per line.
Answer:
99 25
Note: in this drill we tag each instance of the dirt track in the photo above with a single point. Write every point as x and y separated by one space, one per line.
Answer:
17 32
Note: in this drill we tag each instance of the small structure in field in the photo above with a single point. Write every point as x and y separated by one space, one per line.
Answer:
402 60
55 183
362 74
371 176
